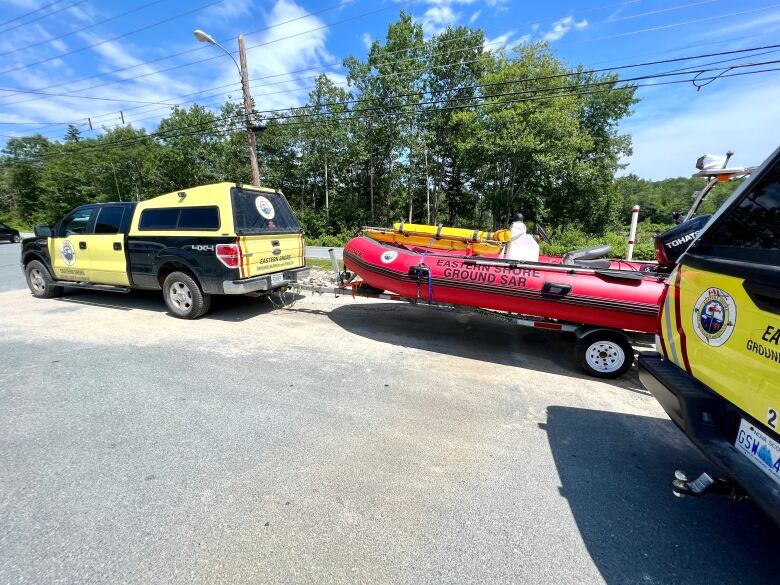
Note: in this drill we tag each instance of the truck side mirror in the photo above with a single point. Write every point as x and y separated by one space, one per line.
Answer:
42 231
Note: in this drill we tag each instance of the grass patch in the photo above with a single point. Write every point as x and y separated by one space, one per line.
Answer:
322 264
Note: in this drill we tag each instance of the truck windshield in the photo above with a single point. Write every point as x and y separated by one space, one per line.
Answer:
262 212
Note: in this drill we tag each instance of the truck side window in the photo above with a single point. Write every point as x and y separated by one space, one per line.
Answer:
109 220
750 231
199 218
180 218
159 219
77 222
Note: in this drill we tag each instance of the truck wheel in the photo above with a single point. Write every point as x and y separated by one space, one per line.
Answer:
184 296
605 354
40 281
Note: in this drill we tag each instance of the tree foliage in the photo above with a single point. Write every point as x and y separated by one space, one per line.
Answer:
430 130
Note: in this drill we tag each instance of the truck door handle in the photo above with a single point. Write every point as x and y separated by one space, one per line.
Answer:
765 296
117 246
82 245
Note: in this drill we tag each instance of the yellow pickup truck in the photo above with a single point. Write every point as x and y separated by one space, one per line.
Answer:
717 368
223 238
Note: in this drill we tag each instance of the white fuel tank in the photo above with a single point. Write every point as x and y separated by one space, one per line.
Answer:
522 245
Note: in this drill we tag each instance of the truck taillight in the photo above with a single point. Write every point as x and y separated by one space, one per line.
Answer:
229 255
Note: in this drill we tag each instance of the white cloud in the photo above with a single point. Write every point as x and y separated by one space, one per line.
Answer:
273 54
496 3
562 27
59 45
474 16
280 53
437 18
227 10
367 40
667 143
762 24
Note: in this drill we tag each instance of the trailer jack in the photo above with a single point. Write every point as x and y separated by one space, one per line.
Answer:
704 484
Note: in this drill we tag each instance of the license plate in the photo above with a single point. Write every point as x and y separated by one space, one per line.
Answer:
277 278
761 449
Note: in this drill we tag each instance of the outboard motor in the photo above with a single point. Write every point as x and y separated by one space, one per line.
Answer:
671 244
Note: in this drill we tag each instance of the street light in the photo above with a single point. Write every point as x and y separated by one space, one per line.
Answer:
204 37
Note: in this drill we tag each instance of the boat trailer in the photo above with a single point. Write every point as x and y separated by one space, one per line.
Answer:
602 352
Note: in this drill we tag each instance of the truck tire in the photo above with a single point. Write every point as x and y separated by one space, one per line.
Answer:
605 354
40 281
184 296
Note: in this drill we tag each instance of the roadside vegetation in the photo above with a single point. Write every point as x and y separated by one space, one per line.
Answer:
434 130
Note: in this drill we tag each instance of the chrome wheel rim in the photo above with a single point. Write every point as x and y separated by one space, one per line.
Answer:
605 356
181 296
36 280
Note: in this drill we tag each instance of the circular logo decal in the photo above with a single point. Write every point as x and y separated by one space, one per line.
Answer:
388 256
714 316
68 253
264 207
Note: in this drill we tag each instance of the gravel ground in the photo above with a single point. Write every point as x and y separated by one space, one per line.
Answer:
335 441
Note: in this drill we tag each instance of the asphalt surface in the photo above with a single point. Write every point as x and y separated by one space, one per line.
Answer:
321 253
336 441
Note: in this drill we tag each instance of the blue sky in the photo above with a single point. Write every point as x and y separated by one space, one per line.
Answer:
54 48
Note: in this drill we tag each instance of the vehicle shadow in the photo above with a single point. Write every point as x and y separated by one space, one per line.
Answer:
468 335
223 307
615 471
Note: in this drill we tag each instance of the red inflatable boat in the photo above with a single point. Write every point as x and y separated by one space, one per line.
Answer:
604 297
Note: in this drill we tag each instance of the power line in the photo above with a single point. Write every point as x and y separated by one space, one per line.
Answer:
396 4
78 30
127 34
41 17
218 56
26 14
549 77
207 127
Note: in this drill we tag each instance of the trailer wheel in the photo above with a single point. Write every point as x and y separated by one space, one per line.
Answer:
605 354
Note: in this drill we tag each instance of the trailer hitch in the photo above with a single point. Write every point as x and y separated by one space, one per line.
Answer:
704 484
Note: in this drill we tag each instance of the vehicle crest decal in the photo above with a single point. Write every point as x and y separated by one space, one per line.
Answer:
68 253
389 256
264 207
714 316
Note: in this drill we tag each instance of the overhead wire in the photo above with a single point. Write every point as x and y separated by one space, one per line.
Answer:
44 16
209 126
396 4
26 14
83 28
565 74
114 38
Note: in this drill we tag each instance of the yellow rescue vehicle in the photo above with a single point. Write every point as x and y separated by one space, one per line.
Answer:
223 238
717 369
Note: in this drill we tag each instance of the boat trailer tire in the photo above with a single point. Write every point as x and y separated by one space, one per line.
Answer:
604 354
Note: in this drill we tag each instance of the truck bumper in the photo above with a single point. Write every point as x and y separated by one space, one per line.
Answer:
711 422
263 283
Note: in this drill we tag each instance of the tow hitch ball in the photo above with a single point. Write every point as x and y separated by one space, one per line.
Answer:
703 485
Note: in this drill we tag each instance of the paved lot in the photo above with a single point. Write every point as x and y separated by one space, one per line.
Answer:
321 253
337 441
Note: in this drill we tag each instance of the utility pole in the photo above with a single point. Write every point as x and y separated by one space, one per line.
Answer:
248 108
243 72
